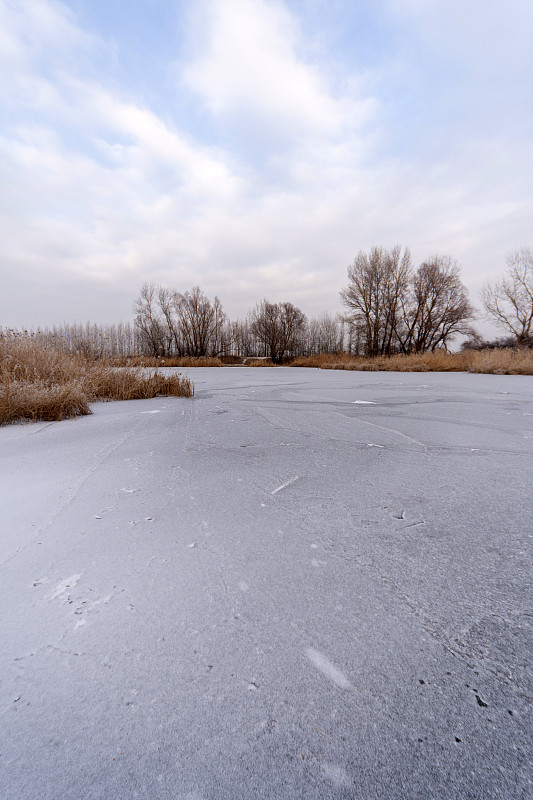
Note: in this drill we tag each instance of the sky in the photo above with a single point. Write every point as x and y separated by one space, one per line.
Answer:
253 147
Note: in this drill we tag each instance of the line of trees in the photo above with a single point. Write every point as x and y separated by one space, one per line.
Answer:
173 324
390 307
90 339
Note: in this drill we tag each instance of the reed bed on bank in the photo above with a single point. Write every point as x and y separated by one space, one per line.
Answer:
41 382
259 362
171 361
497 361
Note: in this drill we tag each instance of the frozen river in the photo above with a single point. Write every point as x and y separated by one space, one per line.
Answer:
300 584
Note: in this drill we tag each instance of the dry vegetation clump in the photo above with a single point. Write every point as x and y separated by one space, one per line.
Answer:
170 361
502 361
106 382
322 360
38 400
42 382
231 360
497 361
259 362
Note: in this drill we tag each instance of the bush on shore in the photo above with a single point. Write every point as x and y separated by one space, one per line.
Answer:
41 382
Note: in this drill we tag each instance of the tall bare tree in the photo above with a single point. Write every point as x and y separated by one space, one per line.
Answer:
200 322
150 321
508 301
436 308
170 333
278 327
378 284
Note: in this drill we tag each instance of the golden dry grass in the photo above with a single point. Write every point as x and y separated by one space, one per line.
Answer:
40 382
173 361
496 361
259 362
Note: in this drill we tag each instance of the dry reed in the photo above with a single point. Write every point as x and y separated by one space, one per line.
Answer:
259 362
171 361
40 382
497 361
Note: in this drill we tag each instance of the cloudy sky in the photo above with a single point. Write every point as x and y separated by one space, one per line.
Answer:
254 146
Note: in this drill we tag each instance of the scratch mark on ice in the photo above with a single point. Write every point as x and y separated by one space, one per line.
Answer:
363 403
327 668
284 485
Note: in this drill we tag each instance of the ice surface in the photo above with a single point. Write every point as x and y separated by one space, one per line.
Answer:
62 587
272 591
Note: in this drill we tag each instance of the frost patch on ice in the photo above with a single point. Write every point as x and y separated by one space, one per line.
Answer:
243 586
62 587
327 668
337 775
363 403
79 623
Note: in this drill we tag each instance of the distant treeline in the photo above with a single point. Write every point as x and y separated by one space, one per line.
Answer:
391 308
227 338
90 339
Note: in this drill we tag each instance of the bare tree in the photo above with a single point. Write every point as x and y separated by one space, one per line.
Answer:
170 332
149 321
199 321
322 335
508 301
277 326
378 284
436 308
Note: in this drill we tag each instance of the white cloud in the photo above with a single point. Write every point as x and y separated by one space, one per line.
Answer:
249 65
102 193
